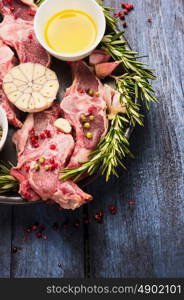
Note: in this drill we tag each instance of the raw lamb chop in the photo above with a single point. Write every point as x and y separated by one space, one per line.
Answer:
7 61
41 155
16 31
84 101
23 9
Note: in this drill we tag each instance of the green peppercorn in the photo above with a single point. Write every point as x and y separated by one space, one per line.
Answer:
87 125
47 167
91 92
91 118
37 167
89 135
97 94
41 160
83 119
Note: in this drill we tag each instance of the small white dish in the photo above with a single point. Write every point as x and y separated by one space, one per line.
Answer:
4 126
52 7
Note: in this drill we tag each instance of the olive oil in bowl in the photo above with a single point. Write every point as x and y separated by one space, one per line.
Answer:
70 31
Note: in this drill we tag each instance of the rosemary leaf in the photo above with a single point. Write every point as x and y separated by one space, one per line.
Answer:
7 182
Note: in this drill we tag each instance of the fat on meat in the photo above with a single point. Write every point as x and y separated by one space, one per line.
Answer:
85 98
44 183
7 61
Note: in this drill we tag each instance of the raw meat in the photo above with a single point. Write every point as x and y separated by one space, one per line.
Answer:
55 148
85 98
16 31
18 9
7 61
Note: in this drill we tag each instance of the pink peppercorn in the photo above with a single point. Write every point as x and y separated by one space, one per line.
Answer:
30 36
32 12
53 147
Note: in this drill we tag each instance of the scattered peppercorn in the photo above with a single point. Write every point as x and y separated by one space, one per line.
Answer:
89 135
132 202
51 160
149 20
125 25
37 167
90 92
27 168
98 217
76 224
14 250
47 167
124 5
42 136
48 133
30 36
87 125
28 230
113 209
41 160
86 221
91 118
32 131
38 235
131 6
83 119
35 227
121 14
122 17
32 12
53 147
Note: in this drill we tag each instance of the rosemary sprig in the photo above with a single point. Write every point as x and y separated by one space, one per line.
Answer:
38 2
111 21
108 155
133 84
7 182
138 74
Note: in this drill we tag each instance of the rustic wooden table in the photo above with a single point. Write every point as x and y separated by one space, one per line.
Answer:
141 240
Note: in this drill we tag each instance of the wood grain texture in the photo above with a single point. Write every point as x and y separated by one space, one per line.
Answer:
148 240
5 241
142 240
62 255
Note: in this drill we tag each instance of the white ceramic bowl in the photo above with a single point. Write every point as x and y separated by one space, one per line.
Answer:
51 7
4 126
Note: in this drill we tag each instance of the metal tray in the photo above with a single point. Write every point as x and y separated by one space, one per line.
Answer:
8 153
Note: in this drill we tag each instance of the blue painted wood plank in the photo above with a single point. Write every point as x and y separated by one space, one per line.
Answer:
61 255
5 241
142 240
148 240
